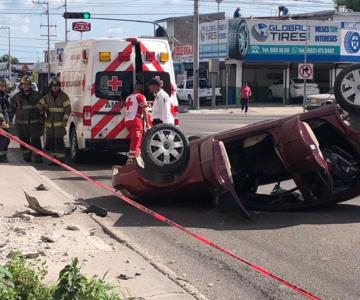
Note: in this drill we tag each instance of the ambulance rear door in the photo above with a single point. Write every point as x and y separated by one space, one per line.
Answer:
113 76
157 62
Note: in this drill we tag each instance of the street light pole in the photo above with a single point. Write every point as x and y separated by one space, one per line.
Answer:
9 54
196 56
305 62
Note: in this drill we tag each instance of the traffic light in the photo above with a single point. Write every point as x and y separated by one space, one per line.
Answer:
77 15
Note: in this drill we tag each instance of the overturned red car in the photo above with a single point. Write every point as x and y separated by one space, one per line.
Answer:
317 150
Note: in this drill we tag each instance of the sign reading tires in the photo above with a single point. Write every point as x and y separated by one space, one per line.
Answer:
81 26
305 71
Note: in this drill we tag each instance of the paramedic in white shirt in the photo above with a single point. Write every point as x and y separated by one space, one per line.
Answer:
161 110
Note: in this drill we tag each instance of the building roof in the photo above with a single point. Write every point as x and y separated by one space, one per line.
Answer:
202 17
325 14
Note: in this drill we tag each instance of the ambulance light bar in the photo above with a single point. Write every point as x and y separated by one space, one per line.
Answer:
104 56
125 56
150 56
164 57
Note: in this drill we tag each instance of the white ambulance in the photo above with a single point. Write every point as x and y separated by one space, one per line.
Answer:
98 75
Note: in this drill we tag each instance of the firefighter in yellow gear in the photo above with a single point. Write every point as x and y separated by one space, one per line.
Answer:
4 120
28 121
57 109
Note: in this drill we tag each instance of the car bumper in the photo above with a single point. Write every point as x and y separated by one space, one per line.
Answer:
120 145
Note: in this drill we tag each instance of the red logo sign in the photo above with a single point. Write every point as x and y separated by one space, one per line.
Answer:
114 83
81 26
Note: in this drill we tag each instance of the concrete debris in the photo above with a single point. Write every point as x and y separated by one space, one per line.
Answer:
48 239
124 277
170 262
27 217
211 284
41 187
47 211
20 230
97 210
73 228
31 255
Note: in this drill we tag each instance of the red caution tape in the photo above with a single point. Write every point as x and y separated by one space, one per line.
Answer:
163 219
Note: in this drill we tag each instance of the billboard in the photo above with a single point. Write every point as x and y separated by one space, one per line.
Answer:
283 40
183 53
213 40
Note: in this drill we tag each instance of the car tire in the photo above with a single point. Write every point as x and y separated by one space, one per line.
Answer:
163 154
348 97
75 153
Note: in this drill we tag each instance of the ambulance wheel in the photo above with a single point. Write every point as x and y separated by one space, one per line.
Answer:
347 89
74 148
165 149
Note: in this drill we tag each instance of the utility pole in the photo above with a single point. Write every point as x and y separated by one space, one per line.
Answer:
305 62
47 12
66 23
196 56
9 55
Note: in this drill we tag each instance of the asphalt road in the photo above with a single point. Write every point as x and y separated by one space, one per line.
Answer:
317 250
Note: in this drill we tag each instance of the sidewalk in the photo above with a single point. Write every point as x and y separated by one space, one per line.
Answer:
85 239
276 110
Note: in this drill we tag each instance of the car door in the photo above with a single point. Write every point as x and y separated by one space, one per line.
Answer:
300 151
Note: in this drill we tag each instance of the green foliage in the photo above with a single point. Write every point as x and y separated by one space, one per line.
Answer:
21 281
352 4
5 58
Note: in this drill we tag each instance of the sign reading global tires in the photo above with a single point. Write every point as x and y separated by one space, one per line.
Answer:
213 40
284 40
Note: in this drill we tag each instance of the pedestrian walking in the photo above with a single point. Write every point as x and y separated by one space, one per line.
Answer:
245 94
161 110
4 120
135 116
56 108
28 121
237 13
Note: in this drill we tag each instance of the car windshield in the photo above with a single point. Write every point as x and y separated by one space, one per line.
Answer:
302 81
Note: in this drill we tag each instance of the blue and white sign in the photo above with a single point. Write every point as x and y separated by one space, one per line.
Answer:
350 45
213 40
283 40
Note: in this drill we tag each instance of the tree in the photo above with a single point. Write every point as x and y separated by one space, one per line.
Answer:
352 4
5 58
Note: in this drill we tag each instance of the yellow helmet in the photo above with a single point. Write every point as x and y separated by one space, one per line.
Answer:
25 80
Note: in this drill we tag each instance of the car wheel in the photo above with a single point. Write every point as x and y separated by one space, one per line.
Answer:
270 96
165 149
347 89
74 148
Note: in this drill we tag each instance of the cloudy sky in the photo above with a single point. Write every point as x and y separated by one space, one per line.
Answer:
25 18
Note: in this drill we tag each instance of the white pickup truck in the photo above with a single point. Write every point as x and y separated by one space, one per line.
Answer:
185 91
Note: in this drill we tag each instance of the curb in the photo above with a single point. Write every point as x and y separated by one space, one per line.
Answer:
121 238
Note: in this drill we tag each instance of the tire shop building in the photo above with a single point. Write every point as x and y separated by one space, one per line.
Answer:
268 52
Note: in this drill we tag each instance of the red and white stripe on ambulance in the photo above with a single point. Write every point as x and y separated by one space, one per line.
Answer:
107 119
155 65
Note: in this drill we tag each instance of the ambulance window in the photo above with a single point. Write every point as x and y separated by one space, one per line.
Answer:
113 85
164 77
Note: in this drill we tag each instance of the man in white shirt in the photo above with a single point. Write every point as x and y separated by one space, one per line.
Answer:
161 110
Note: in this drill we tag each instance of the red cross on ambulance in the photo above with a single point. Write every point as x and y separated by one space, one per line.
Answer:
114 83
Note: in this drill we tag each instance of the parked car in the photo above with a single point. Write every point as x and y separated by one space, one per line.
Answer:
318 100
276 90
17 88
185 91
317 150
